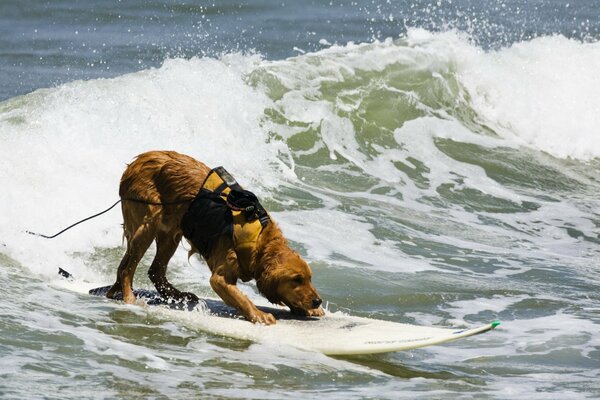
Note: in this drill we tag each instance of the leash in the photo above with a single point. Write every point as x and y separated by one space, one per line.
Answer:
75 224
104 212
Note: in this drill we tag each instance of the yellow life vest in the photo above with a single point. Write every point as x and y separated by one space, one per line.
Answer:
248 217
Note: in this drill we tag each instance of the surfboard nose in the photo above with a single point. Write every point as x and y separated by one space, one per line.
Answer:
316 303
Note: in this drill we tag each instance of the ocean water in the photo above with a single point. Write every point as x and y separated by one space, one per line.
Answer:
437 163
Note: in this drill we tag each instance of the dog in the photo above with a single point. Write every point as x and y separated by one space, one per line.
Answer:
156 191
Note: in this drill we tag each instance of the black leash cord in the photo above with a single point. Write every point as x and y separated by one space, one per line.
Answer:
105 211
75 224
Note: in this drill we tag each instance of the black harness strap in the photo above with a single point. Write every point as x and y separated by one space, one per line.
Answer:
209 216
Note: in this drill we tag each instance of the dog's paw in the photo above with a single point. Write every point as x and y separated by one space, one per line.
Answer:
189 297
129 297
316 312
264 318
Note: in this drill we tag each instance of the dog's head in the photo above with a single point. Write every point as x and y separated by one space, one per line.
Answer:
288 280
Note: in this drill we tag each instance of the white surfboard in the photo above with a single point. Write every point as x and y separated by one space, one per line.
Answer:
333 334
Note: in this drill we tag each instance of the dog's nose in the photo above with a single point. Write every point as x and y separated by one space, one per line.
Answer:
316 303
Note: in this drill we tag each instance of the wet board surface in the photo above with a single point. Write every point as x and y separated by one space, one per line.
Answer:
333 334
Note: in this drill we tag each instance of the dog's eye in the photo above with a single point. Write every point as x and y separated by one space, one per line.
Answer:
298 279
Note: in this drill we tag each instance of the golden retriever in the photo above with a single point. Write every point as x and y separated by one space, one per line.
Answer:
156 190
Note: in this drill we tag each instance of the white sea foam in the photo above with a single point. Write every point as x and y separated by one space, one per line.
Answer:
347 240
524 336
542 93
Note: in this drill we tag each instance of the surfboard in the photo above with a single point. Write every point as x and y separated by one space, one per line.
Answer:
333 334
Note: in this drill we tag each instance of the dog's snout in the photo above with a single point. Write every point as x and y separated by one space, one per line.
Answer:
316 303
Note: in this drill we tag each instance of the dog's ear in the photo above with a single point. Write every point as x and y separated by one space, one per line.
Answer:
268 282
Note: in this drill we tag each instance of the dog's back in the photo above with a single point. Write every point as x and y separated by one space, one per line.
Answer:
162 177
157 188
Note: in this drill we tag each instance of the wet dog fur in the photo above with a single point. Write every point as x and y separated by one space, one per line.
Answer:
156 190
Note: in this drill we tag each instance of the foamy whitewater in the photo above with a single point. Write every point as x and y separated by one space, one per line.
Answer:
426 179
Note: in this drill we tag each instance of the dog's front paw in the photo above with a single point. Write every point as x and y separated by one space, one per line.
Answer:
262 318
316 312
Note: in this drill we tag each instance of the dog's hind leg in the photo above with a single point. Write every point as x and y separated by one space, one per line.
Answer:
137 245
166 244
